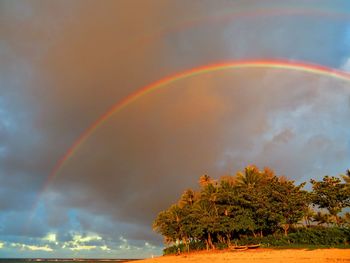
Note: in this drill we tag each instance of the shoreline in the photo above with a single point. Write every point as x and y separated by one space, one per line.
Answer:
260 255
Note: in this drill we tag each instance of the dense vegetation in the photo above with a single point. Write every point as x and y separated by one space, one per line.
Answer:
256 206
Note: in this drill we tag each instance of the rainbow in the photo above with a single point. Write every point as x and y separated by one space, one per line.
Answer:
164 82
240 64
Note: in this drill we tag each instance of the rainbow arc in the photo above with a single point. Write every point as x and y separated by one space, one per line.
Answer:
201 70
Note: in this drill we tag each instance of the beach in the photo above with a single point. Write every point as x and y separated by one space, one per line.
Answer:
259 256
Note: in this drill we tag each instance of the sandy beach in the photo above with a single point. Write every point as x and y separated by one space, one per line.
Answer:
260 256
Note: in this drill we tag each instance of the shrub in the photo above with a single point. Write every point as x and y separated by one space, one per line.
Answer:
301 237
320 236
221 246
198 245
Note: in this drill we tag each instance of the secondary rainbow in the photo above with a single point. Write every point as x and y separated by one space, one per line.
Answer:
164 82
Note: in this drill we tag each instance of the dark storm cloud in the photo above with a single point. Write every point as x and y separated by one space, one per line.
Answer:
111 231
142 163
14 226
64 63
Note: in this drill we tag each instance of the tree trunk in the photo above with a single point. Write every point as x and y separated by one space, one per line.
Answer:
184 240
307 222
285 228
337 220
228 236
221 239
210 241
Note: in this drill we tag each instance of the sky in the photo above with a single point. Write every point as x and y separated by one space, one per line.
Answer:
64 64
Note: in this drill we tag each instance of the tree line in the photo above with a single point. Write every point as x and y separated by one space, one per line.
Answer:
253 203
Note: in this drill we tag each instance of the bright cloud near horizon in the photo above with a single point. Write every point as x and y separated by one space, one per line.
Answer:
63 64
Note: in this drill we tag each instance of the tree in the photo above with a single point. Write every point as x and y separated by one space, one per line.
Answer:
167 224
330 194
187 198
190 221
252 203
321 218
204 180
346 219
291 201
308 216
208 220
250 178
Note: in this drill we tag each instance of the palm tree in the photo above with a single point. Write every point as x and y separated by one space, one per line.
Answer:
227 181
205 180
187 198
251 177
208 220
209 194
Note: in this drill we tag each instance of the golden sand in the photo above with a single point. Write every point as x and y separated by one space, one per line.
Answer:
259 256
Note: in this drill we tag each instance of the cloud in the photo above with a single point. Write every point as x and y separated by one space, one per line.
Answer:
84 242
190 123
346 65
78 243
51 238
65 64
32 247
79 247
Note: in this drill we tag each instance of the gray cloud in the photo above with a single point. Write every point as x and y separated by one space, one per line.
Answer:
136 164
64 64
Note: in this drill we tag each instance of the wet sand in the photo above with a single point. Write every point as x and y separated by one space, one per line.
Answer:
259 256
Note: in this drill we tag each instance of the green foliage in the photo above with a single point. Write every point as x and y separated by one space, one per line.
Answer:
267 241
330 194
255 206
326 236
320 236
199 245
